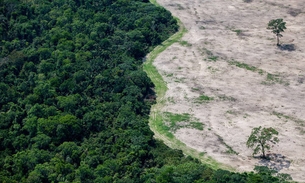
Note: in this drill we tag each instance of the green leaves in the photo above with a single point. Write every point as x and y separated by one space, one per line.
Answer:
260 139
271 175
70 71
72 94
277 26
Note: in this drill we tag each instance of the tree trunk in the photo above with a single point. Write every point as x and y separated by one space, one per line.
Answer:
278 40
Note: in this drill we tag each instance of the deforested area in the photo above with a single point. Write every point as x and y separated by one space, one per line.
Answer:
239 67
75 101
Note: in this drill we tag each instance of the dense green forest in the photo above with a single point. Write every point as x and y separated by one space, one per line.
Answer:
74 99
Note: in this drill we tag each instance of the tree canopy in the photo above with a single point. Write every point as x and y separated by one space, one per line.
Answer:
277 26
73 94
261 138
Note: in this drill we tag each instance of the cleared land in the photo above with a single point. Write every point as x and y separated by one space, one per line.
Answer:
227 75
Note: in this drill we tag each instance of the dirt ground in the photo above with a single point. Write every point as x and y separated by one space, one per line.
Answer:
229 55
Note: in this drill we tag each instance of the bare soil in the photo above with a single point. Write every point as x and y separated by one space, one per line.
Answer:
229 55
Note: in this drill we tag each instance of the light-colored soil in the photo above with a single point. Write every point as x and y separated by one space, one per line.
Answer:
242 99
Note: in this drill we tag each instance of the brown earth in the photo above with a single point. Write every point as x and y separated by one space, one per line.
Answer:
223 38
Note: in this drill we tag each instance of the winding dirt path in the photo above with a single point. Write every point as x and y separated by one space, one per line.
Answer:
227 74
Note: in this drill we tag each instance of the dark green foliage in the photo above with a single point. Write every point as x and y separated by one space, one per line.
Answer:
271 175
277 26
260 139
72 94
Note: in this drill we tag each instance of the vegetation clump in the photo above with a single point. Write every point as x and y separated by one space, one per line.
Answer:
277 26
73 95
261 138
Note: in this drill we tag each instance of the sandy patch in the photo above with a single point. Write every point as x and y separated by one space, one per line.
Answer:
221 36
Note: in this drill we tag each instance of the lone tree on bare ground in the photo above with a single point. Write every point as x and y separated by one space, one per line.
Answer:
261 138
277 26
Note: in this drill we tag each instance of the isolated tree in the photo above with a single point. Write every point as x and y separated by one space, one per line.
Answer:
261 138
277 26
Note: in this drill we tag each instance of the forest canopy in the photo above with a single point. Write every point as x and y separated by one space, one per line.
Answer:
74 99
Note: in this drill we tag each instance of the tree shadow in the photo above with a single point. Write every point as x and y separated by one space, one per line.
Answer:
150 95
294 12
286 47
275 161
